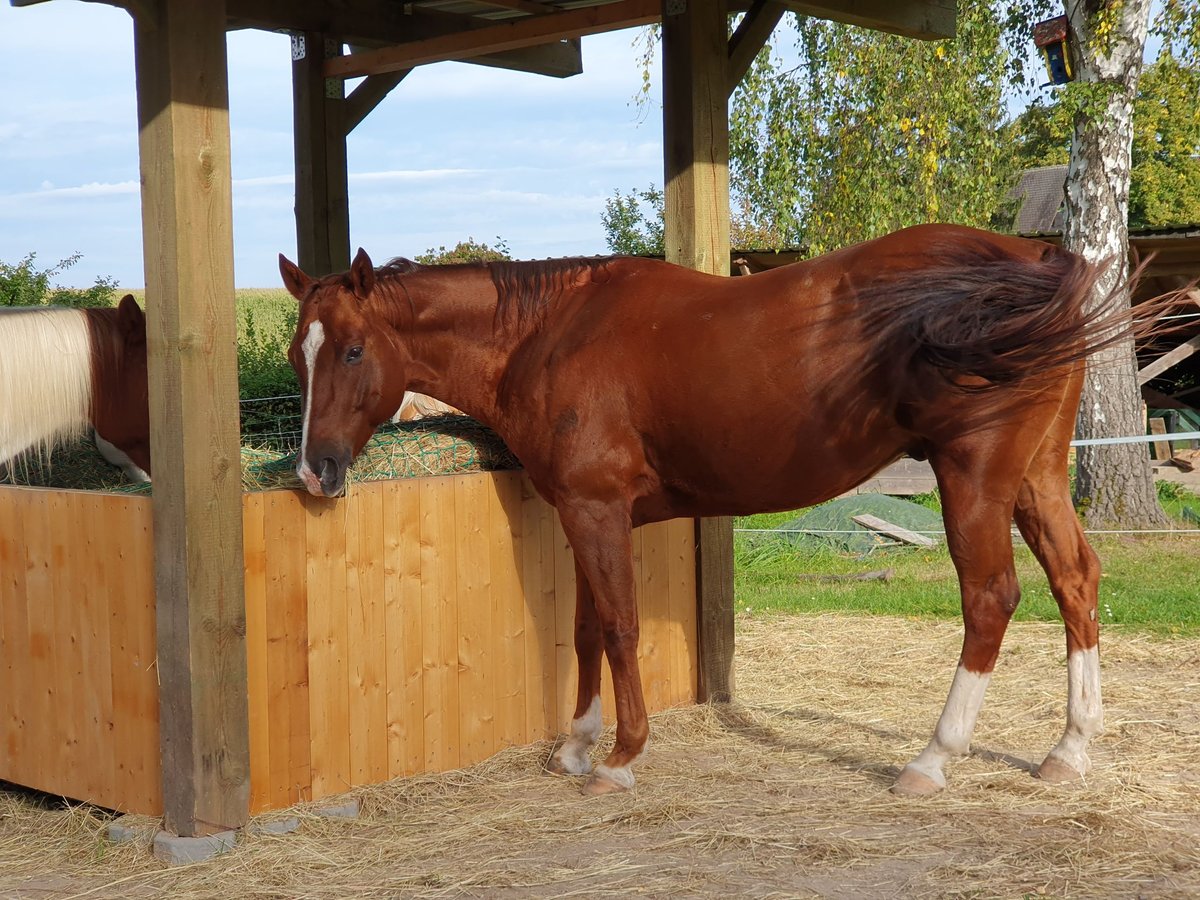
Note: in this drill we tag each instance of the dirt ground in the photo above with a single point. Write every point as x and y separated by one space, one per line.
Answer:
784 794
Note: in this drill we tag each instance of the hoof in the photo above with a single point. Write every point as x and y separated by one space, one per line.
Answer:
570 766
1055 771
597 785
911 783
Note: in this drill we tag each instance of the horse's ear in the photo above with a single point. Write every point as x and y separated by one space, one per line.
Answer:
130 319
362 275
296 282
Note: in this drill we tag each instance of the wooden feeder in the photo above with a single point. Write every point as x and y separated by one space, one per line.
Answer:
1050 37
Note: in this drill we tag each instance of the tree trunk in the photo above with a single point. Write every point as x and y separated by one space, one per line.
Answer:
1115 484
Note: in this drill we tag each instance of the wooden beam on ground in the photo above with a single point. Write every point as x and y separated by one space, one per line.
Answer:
874 523
752 33
511 34
1167 360
187 213
322 189
1162 449
696 169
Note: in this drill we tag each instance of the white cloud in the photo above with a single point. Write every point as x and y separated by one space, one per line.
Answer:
455 151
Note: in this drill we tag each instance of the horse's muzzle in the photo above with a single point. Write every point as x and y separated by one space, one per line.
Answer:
332 475
327 478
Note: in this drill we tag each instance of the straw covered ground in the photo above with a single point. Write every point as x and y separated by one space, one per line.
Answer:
782 795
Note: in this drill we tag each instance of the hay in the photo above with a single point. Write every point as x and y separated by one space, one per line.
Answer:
438 445
782 795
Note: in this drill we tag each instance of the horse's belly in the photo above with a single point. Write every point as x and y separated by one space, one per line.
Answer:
736 478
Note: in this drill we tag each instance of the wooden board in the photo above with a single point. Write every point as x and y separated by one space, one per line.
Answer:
78 688
415 626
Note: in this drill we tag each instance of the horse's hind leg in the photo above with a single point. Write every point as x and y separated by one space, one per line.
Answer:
1047 520
572 757
977 514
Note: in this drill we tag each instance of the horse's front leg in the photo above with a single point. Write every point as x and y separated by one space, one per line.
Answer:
572 758
600 535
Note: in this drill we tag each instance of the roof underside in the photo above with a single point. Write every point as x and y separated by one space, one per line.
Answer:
437 30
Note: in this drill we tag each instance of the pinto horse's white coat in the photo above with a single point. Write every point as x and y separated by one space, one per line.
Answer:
45 380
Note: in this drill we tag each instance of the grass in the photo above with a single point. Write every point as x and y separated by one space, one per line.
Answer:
1148 582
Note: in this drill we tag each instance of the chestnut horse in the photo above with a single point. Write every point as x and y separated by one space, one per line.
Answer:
62 370
634 391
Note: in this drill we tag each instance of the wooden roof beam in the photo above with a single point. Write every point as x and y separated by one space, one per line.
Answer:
930 20
513 34
372 24
752 32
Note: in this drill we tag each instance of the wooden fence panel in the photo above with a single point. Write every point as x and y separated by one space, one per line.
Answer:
78 691
416 626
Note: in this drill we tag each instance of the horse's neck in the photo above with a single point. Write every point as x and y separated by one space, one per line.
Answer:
458 350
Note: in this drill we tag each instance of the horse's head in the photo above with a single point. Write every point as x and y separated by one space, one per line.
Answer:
350 370
120 402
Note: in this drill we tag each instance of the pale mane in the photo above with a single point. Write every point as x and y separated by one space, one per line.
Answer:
45 379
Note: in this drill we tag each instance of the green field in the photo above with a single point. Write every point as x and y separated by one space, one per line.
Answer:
268 312
1149 582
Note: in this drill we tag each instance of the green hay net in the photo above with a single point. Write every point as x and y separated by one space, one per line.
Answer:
441 445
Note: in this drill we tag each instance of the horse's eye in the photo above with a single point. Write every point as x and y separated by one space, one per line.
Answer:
354 356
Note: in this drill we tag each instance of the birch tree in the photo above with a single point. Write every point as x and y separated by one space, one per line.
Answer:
1114 483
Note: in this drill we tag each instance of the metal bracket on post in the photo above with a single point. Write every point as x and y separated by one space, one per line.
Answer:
675 7
335 88
297 47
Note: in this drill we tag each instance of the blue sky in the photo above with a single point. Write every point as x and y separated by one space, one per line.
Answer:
455 151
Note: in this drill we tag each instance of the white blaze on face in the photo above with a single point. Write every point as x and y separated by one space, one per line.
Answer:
311 347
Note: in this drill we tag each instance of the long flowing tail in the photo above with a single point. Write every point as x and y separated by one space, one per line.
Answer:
982 318
982 313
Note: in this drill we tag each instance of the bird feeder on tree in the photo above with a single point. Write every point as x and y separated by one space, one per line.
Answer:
1050 37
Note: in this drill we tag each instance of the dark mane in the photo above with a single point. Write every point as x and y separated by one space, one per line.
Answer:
398 266
526 289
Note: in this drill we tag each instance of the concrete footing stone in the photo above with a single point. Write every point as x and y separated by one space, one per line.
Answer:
179 851
276 826
122 832
347 810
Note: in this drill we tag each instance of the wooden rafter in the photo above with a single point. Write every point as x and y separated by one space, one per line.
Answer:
752 32
509 35
923 19
526 6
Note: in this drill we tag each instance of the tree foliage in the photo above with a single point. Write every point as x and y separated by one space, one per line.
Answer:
633 223
850 133
1165 180
469 250
838 134
23 284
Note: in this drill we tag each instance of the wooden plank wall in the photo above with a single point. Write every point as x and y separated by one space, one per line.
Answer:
417 626
78 687
405 603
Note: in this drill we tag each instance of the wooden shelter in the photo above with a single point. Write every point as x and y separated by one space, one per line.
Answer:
183 114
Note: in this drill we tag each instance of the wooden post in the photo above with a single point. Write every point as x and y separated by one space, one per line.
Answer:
696 142
322 191
187 214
